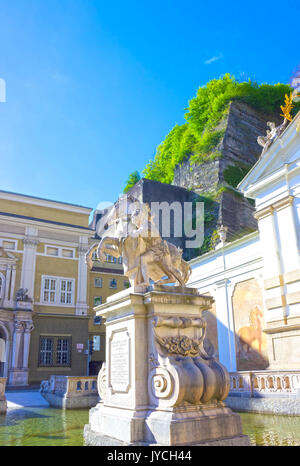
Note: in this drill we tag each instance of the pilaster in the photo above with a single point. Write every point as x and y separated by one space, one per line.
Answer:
81 302
30 242
225 324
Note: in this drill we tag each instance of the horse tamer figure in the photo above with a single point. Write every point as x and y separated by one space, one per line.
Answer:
128 230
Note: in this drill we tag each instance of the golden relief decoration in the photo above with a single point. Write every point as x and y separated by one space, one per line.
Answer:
287 107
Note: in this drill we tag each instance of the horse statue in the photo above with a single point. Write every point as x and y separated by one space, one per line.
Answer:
128 230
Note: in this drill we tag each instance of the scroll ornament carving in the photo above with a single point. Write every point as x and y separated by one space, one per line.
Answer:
102 390
29 327
181 370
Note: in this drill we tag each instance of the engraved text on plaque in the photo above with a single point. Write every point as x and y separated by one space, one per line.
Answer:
119 361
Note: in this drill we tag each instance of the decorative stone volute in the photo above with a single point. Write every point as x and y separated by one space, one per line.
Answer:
180 369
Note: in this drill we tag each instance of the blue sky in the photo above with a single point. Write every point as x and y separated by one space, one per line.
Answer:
92 87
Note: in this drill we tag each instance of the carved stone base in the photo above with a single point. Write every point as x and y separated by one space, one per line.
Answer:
95 439
210 426
159 386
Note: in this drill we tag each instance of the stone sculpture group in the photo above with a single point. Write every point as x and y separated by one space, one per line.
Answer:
130 232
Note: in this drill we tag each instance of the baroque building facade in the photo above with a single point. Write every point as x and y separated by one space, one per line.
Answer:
46 328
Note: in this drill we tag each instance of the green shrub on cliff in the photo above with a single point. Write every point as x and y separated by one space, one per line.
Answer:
199 137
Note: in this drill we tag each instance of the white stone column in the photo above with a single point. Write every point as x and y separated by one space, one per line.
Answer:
7 283
27 331
14 372
28 266
225 324
81 302
12 286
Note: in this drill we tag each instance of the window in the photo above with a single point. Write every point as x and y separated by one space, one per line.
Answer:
94 256
113 283
98 282
97 300
66 291
55 351
97 320
67 252
126 284
60 252
62 354
120 260
46 351
8 244
56 290
110 258
96 342
49 290
52 251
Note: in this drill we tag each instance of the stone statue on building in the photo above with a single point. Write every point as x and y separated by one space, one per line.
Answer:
129 231
22 295
272 134
276 131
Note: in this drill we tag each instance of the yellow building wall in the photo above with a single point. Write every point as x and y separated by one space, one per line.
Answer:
59 267
46 213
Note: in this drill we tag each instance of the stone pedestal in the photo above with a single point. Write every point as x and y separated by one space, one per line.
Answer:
159 386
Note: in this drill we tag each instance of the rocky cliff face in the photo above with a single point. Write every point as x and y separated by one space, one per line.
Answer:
238 150
242 125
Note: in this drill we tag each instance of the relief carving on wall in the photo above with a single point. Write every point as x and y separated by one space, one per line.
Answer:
251 341
251 336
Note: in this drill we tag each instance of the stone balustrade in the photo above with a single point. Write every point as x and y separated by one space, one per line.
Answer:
70 392
3 402
265 383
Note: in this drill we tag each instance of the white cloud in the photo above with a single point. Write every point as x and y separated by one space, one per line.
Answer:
213 59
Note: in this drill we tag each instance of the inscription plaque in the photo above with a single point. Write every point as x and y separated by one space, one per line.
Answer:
119 361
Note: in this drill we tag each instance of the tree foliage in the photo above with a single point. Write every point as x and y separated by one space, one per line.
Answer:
134 177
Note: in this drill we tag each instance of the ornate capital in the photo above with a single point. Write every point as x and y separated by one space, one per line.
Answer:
82 249
28 327
30 241
19 326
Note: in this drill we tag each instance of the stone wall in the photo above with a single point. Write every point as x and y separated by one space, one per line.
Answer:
243 125
153 191
239 146
236 213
